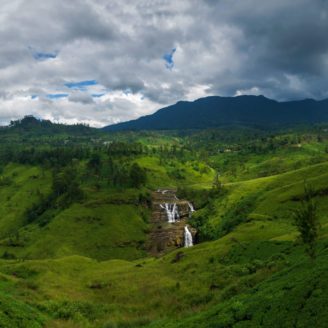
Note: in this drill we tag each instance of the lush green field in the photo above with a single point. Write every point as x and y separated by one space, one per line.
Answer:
82 261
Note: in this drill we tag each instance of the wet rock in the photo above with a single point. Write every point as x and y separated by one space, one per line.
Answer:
167 236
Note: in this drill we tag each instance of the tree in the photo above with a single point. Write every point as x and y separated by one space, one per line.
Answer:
137 176
307 222
95 163
216 185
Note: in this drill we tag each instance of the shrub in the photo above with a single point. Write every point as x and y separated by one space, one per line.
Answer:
8 256
75 310
5 181
237 215
137 176
307 222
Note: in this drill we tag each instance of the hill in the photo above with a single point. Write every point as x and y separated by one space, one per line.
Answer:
217 111
30 125
75 224
257 275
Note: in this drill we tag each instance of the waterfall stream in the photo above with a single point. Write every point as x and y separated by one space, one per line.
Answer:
191 207
187 237
171 212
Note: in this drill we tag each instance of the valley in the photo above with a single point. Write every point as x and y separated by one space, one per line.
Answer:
95 234
163 164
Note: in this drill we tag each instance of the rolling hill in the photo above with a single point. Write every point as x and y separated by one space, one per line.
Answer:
217 111
255 276
74 231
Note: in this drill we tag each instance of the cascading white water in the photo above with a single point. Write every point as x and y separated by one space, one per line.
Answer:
172 212
163 192
187 237
191 207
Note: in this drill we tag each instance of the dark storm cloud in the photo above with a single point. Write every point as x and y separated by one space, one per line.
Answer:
124 51
284 42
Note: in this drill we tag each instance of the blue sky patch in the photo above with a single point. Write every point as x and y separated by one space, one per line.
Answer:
127 91
41 56
57 95
168 57
81 85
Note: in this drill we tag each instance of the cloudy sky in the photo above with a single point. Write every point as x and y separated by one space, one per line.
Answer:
106 61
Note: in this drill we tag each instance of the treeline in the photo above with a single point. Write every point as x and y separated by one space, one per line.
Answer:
116 172
58 156
68 184
30 125
275 142
244 140
65 190
50 157
126 149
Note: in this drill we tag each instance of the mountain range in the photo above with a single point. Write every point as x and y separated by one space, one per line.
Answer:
218 111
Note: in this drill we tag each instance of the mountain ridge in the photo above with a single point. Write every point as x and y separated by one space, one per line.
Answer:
30 124
216 111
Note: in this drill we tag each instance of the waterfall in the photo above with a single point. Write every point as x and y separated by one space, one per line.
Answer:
187 237
163 192
191 208
171 212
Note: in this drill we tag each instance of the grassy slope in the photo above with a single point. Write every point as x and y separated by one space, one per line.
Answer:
14 312
238 166
294 297
106 225
107 231
19 188
195 174
256 269
274 196
96 228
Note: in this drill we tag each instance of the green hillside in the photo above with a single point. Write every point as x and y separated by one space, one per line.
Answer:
74 230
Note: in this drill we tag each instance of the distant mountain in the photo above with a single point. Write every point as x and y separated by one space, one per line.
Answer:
217 111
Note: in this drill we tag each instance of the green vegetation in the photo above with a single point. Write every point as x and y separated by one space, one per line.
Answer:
74 225
307 222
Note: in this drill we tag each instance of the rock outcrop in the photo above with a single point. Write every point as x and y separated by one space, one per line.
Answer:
166 236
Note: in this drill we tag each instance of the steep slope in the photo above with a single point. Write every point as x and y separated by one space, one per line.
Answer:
103 225
168 221
107 223
221 111
255 275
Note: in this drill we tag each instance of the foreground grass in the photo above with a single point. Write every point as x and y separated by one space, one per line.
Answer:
216 284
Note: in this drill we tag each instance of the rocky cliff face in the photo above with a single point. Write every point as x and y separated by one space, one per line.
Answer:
166 236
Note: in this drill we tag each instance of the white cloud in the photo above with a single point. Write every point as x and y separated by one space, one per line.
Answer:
255 91
222 47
